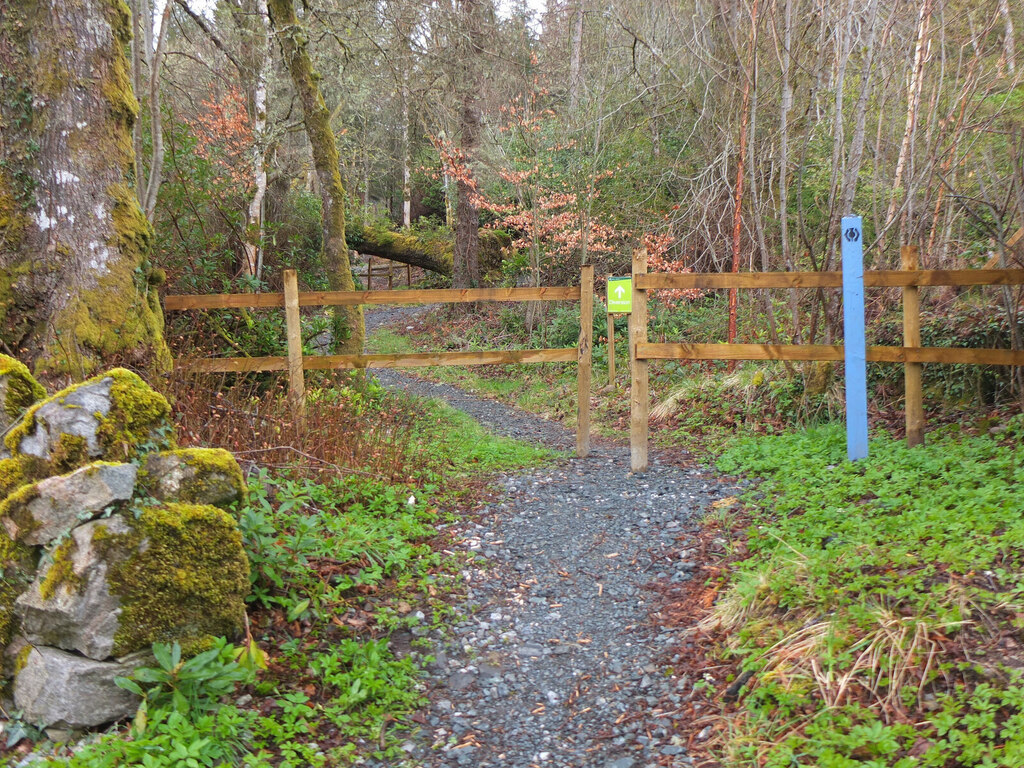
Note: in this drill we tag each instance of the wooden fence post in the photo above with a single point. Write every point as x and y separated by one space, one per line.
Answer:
639 399
914 401
369 273
583 360
391 275
296 382
611 350
408 275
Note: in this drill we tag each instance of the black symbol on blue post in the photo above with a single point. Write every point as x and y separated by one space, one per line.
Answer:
852 234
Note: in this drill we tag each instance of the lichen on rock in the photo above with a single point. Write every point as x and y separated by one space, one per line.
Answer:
69 604
115 415
17 563
56 688
195 476
181 574
38 513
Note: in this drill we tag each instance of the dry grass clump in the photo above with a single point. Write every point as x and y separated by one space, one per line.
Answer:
352 425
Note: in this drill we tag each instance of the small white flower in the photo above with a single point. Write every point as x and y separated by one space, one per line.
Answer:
411 501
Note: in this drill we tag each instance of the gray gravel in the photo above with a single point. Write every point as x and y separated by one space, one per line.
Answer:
378 317
552 659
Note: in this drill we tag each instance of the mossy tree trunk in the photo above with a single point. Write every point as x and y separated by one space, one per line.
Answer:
404 247
348 326
431 253
74 244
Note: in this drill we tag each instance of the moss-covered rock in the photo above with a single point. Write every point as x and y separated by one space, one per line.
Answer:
195 476
12 476
817 378
18 391
115 415
17 564
38 513
69 604
181 574
494 246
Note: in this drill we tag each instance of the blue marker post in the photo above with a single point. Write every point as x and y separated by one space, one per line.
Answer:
852 238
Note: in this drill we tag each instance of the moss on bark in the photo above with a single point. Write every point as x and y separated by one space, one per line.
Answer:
348 327
66 112
431 253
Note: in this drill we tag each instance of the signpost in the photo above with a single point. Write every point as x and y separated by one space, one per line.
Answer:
620 295
852 238
620 301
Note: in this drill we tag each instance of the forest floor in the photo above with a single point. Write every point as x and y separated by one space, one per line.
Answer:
557 654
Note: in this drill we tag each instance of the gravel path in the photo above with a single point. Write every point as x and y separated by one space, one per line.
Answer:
499 418
552 659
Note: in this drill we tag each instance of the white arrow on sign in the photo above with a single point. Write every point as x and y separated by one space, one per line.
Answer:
619 290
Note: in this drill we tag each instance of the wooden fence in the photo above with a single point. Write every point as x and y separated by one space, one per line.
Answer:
912 355
295 362
386 271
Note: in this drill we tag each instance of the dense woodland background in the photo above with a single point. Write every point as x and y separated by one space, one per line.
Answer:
864 613
710 132
718 134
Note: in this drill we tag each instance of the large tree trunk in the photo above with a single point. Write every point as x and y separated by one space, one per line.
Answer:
466 272
74 288
348 326
431 254
141 11
406 155
737 212
466 266
156 120
404 27
576 59
785 105
914 83
404 247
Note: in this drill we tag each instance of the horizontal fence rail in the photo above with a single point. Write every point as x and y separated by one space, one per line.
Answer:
875 279
814 352
295 363
912 356
352 298
357 362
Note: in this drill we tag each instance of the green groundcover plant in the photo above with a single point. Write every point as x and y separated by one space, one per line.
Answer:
880 611
309 687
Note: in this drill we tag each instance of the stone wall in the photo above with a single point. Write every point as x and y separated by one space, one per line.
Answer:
111 539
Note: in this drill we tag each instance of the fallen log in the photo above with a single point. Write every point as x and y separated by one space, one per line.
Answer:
434 254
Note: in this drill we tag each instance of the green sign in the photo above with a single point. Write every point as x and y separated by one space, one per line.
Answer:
620 294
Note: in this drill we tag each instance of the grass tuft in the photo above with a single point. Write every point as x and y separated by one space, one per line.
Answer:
880 608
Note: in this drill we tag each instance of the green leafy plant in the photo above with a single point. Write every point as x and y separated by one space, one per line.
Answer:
173 739
311 544
874 595
196 684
